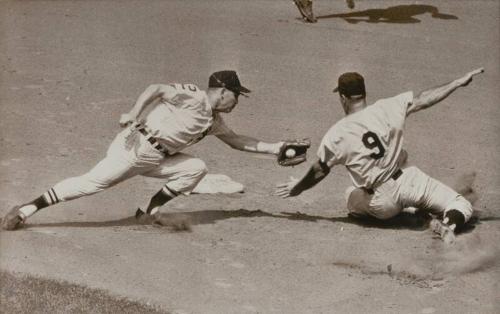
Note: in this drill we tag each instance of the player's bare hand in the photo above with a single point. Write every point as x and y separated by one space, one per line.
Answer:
126 119
285 190
467 78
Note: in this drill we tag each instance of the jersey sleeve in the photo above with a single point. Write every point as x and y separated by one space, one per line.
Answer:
395 109
329 151
402 102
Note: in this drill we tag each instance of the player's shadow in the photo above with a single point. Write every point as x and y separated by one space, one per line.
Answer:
401 14
402 221
129 221
195 218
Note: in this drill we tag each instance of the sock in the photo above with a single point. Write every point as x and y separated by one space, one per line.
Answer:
159 199
454 219
46 199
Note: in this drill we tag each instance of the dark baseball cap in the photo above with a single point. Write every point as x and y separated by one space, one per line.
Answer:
229 80
351 84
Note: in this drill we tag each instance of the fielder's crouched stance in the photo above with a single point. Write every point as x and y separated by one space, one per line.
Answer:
368 142
177 116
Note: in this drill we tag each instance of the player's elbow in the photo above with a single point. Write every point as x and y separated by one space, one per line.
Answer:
236 146
417 105
321 169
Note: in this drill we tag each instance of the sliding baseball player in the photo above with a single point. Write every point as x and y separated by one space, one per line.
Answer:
369 143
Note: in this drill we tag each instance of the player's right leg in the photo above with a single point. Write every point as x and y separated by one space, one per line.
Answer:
357 201
379 203
182 172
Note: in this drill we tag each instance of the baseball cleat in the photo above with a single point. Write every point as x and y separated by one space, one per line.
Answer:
445 232
143 218
305 9
13 220
139 213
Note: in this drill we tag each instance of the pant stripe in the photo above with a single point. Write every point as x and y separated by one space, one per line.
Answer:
51 197
169 192
55 195
48 198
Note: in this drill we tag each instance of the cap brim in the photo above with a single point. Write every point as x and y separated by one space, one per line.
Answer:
336 89
243 89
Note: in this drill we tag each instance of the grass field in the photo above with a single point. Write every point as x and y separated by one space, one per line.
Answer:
31 294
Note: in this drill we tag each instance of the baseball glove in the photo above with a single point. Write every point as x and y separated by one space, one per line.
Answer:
293 152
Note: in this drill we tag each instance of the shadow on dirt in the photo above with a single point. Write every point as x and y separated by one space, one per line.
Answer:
129 221
196 218
402 14
402 221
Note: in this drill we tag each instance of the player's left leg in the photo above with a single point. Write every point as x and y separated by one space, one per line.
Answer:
127 156
422 191
182 173
455 208
108 172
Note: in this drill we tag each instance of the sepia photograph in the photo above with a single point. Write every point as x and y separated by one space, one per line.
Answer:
244 157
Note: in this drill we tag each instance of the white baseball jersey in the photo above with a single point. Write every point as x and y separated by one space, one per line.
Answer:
183 117
368 142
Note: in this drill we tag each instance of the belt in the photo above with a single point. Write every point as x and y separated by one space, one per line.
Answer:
156 145
394 177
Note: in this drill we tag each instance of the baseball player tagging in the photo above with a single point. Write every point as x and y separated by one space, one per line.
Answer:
368 142
164 120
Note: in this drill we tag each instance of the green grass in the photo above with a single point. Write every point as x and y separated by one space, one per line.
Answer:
28 294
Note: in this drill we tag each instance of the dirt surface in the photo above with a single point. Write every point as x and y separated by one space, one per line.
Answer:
68 69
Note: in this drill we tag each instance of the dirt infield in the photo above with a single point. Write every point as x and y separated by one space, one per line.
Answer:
68 69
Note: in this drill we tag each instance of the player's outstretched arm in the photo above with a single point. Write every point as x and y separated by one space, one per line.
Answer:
432 96
317 172
151 93
249 144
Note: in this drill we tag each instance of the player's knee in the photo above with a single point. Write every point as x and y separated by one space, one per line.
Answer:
197 168
357 201
73 188
190 177
90 184
97 184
